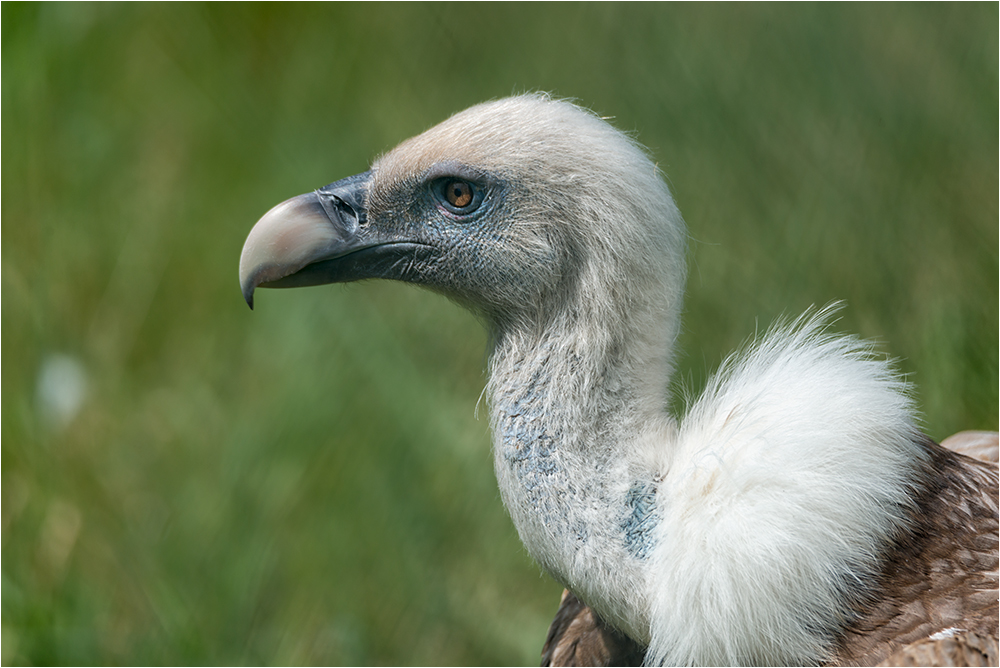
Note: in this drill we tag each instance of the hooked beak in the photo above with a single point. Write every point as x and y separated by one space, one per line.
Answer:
288 246
324 237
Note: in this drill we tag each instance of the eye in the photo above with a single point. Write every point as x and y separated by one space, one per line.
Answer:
459 196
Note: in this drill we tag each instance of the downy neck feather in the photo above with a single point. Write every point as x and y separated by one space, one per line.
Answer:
747 534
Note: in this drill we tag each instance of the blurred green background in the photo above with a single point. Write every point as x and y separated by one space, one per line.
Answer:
185 481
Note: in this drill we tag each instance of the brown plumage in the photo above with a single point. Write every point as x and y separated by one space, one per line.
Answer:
939 604
967 649
578 637
942 576
982 445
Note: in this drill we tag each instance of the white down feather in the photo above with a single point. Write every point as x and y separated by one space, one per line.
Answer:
787 477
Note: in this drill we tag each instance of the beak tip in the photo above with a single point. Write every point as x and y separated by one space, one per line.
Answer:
248 294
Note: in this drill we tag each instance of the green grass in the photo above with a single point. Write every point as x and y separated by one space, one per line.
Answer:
309 483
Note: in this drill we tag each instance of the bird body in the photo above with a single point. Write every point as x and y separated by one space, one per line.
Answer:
793 515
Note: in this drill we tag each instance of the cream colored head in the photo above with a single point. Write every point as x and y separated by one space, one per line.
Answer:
572 209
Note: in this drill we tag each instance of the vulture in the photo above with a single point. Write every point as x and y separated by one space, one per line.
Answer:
793 515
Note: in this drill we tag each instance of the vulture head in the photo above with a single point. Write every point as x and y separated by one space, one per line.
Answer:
780 520
532 213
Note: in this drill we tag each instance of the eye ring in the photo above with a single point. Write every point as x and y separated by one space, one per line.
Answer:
458 196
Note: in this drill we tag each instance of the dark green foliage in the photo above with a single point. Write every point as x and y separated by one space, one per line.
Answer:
309 483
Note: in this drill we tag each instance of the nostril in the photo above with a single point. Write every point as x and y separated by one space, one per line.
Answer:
359 213
345 198
340 210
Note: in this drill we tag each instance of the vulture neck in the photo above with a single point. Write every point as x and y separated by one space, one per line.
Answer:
571 402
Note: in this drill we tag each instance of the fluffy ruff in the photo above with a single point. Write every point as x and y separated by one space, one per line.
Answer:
788 479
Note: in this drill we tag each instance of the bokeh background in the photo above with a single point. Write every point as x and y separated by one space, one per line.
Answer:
187 481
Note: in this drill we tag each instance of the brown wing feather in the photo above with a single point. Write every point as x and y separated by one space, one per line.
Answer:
967 649
941 576
578 637
984 445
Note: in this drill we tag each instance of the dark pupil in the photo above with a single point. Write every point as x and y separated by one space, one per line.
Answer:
459 194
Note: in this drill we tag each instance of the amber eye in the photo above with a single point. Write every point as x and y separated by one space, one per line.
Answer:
458 193
458 196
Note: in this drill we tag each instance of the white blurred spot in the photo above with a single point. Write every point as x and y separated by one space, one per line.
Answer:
62 387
